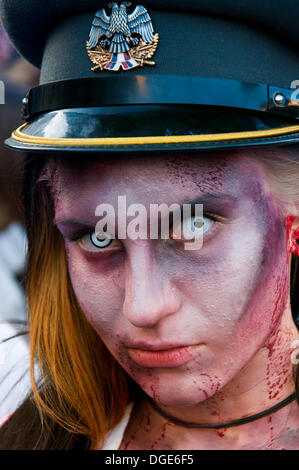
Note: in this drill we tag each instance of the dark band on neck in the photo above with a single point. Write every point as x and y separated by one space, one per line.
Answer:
227 424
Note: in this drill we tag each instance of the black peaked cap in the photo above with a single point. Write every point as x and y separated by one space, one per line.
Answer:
224 76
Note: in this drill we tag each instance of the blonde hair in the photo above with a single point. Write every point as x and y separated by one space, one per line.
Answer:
281 165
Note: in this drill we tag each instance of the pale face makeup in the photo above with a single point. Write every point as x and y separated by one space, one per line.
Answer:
206 313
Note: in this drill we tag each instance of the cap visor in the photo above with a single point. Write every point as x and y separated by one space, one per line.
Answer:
152 127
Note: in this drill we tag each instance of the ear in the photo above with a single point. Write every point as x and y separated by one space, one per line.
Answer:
293 234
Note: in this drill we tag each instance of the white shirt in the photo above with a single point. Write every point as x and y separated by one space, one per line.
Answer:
115 437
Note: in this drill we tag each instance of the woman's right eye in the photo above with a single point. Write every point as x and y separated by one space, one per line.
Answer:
97 241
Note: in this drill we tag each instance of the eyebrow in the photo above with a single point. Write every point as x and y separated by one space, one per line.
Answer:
212 200
69 222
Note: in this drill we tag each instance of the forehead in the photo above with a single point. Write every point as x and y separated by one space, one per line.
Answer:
158 179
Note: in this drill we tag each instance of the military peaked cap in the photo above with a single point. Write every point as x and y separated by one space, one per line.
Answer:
157 75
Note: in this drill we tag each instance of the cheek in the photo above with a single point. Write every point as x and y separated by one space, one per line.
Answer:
238 282
220 278
98 290
269 294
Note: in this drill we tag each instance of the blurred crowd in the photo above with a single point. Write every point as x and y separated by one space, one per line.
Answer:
18 76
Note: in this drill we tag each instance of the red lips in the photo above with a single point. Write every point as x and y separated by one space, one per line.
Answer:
163 357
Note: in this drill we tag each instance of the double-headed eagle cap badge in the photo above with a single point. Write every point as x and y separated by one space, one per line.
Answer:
122 40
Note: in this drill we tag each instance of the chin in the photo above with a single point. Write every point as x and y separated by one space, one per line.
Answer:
173 392
182 400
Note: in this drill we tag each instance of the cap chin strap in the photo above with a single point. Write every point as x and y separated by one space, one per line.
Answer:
227 424
160 89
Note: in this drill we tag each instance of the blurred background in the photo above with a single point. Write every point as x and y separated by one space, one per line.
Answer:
18 76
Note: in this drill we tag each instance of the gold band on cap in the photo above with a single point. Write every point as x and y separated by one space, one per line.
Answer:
147 140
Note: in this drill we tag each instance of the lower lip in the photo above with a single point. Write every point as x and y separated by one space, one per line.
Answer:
168 358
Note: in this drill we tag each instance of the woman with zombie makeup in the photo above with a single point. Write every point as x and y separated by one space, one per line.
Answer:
141 342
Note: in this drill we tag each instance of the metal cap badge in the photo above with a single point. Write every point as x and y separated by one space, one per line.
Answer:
121 40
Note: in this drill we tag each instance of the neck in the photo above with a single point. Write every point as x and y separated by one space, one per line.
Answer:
262 383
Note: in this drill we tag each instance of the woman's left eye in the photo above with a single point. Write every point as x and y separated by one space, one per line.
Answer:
97 241
201 223
193 225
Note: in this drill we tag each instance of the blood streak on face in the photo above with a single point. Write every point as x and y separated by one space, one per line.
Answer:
144 296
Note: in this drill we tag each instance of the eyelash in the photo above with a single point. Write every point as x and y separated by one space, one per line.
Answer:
81 233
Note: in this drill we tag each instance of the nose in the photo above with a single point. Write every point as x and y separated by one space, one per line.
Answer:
149 294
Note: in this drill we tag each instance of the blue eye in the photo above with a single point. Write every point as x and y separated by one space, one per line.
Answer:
192 226
100 240
201 223
95 240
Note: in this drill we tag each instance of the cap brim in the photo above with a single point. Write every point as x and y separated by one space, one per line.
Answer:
152 128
